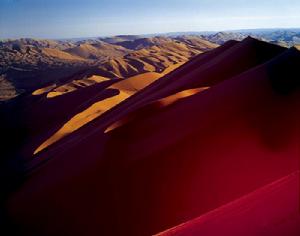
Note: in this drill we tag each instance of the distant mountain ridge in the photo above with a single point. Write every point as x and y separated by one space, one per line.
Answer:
27 64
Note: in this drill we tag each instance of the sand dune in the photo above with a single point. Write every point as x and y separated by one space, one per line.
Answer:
271 210
196 42
44 90
54 90
160 103
97 51
180 95
186 153
74 85
124 88
153 55
138 43
60 54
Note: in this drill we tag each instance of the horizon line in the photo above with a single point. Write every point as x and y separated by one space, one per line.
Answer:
149 34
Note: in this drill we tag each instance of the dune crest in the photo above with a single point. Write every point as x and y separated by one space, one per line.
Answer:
75 84
180 95
44 90
162 103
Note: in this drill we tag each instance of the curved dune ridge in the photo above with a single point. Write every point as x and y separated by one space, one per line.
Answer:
44 90
272 209
74 85
161 102
214 143
54 90
125 88
180 95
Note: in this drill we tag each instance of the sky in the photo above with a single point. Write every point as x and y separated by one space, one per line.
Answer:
91 18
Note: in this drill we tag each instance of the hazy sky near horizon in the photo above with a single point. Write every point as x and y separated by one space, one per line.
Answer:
84 18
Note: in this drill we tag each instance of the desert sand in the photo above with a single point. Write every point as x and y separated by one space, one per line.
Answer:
124 88
30 64
215 140
271 210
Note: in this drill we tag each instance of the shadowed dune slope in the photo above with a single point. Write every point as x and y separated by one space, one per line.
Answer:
173 163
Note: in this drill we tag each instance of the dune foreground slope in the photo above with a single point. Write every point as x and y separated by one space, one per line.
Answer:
270 210
204 147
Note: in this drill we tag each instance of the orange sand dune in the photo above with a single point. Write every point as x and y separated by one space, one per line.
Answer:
177 96
53 90
90 51
74 85
44 90
126 89
59 54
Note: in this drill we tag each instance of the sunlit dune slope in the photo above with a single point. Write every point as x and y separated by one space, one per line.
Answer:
196 42
56 53
44 90
125 89
154 55
97 50
75 84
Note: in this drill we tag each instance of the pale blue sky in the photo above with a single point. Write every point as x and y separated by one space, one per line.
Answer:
84 18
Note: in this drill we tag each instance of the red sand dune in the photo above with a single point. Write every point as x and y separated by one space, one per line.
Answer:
271 210
173 163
